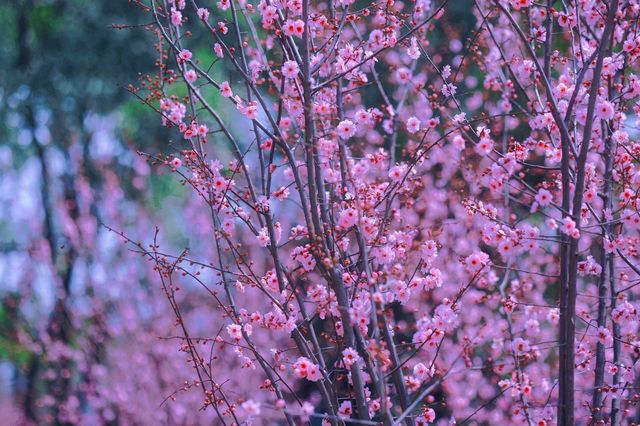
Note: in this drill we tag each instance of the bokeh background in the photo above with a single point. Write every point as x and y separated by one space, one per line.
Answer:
84 328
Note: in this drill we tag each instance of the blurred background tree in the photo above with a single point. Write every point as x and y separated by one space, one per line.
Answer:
68 124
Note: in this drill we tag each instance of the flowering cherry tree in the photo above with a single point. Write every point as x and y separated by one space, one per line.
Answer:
410 221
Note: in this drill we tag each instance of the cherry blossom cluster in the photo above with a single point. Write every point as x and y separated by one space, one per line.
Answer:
411 222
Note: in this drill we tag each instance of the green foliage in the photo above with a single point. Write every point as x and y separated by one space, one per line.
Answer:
10 348
66 57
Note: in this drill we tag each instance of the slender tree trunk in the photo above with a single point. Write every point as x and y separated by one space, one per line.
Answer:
569 267
615 402
607 272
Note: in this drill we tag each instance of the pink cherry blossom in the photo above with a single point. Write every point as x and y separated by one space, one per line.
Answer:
290 69
413 125
225 89
346 129
470 251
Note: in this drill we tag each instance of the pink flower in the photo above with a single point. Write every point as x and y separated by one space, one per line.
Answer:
263 237
484 146
609 246
459 142
413 51
403 75
203 13
569 227
290 69
235 331
362 117
217 48
532 327
518 4
191 76
413 125
225 89
176 17
306 410
422 372
429 415
347 218
544 197
345 410
520 345
604 336
184 55
449 89
251 408
604 110
313 373
397 172
250 110
553 316
302 366
506 248
429 251
476 261
293 28
446 72
346 129
350 357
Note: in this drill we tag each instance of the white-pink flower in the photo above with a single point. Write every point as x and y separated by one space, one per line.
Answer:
604 336
203 13
234 331
217 48
449 89
484 146
313 373
251 408
422 372
569 227
347 218
345 410
413 51
191 76
346 129
176 17
544 197
293 27
476 261
350 357
185 55
413 125
604 110
290 69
